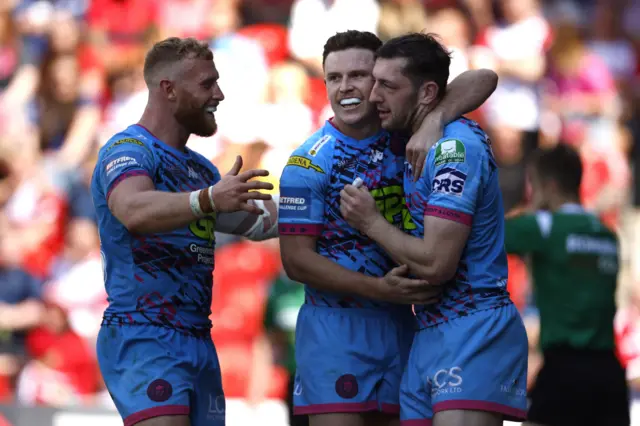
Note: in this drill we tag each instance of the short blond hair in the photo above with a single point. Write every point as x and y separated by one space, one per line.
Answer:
170 51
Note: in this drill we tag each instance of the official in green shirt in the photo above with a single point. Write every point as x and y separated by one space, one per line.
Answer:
573 260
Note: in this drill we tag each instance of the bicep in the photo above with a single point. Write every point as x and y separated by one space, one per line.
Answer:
124 191
294 247
448 237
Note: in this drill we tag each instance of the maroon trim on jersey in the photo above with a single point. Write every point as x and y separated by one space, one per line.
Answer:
149 413
444 213
511 413
300 229
417 422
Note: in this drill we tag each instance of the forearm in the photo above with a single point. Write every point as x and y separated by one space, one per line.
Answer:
466 93
405 250
323 274
151 212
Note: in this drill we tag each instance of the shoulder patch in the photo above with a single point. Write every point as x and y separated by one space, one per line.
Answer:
315 149
305 163
450 151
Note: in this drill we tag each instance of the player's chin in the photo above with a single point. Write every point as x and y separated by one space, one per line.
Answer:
206 128
354 118
387 123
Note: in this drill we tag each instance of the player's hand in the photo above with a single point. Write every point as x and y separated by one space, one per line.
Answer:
396 287
430 132
233 192
358 207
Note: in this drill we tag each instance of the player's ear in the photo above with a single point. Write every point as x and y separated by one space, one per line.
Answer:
169 89
428 92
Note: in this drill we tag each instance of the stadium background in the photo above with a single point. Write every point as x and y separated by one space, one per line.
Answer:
70 76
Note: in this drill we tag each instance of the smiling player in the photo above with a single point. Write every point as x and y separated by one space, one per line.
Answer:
158 204
356 326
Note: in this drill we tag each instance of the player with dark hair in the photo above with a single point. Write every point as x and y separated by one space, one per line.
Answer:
158 204
574 260
356 326
468 362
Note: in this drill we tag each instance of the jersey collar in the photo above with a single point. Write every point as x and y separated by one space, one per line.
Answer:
572 208
333 130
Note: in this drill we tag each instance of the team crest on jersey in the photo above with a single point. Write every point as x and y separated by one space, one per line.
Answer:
303 162
450 151
315 149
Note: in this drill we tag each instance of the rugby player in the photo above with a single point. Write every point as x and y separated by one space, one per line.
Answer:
468 361
158 204
574 261
355 328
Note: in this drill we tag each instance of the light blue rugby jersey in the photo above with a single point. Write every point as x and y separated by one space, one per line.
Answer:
162 279
310 202
460 183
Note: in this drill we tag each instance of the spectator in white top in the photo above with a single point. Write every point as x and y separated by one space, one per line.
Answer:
314 21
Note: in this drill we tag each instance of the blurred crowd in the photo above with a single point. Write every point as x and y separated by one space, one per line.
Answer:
70 76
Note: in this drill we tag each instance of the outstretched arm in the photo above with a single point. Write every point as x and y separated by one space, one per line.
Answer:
465 93
125 179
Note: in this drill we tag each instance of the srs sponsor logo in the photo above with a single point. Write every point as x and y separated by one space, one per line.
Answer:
449 181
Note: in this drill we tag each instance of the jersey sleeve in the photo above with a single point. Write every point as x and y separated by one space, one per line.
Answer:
122 159
302 193
454 176
526 234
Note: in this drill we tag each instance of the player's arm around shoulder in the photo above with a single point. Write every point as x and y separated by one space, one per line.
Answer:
125 171
464 94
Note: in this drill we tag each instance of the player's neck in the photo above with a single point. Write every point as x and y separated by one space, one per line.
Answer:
364 131
164 127
555 203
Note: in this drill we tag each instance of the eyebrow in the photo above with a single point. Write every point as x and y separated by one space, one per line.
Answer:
211 79
356 71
